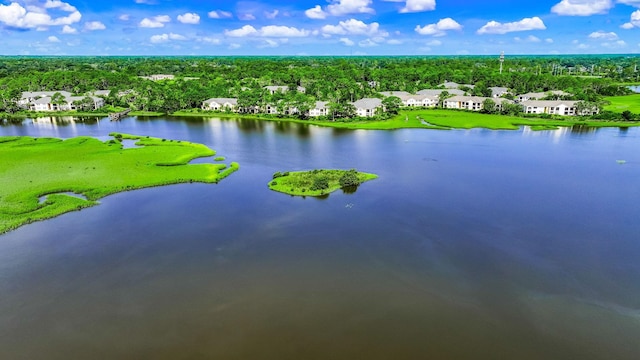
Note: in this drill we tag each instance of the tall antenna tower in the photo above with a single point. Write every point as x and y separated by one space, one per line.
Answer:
501 61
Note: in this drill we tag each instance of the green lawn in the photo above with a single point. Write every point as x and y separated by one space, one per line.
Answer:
453 119
34 167
435 119
309 183
622 103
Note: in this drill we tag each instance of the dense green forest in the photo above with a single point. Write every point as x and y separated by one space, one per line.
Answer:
335 79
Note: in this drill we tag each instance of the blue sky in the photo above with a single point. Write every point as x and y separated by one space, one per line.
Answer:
318 27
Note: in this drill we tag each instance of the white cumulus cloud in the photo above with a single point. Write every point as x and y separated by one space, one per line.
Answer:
635 3
367 43
614 44
315 13
69 30
346 41
353 27
219 14
55 4
268 43
157 39
53 39
246 30
582 7
278 31
271 15
340 8
601 35
94 25
189 18
494 27
440 28
282 31
247 17
155 22
36 16
418 6
634 22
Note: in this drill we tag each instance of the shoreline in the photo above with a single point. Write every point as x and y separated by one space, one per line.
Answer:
433 119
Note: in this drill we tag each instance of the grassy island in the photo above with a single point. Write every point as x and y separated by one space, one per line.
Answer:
41 176
317 182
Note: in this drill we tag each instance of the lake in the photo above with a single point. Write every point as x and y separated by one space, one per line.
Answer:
472 244
635 88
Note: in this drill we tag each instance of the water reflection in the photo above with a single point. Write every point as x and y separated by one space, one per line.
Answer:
11 121
583 129
250 125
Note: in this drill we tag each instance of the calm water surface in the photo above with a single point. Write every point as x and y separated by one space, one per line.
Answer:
471 245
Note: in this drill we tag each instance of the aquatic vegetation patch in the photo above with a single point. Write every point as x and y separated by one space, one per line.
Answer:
318 182
33 168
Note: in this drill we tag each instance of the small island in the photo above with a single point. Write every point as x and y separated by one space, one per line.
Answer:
318 182
46 177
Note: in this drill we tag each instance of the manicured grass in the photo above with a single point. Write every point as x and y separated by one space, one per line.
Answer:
316 182
622 103
34 167
452 119
435 119
467 120
464 119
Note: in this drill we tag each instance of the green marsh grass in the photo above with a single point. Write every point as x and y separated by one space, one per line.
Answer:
35 167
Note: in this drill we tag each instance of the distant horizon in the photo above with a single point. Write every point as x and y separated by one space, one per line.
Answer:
634 55
319 28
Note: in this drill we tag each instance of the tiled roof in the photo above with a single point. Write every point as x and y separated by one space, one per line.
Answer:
368 103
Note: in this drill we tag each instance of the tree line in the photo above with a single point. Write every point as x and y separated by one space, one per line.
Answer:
338 80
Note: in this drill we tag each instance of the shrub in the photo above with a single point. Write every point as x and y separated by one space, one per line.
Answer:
277 174
320 183
349 178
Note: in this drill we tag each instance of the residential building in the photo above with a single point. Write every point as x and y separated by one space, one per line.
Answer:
271 109
320 109
42 101
220 104
367 107
411 100
474 103
497 92
541 95
437 92
554 107
29 96
454 85
104 93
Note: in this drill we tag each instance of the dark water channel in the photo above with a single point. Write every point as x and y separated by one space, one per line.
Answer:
471 245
